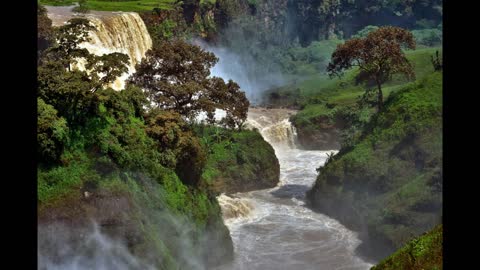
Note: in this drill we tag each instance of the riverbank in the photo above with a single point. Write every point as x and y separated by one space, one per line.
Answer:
388 184
273 229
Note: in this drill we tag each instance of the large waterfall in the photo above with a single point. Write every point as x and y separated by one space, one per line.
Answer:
123 32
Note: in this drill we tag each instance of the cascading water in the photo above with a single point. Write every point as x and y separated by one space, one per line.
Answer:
123 32
277 231
272 228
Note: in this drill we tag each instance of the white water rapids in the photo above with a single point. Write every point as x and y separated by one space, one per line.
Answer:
272 228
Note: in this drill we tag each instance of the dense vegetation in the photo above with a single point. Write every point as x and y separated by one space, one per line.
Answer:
238 161
388 182
98 146
423 252
136 170
118 5
328 107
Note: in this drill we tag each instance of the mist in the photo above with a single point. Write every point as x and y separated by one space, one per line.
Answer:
243 68
63 247
124 243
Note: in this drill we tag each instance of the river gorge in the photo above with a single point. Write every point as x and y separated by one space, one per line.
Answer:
271 228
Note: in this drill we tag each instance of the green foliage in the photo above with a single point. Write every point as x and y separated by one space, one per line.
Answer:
44 29
428 37
425 23
393 169
106 5
364 32
237 161
314 94
423 252
176 76
52 132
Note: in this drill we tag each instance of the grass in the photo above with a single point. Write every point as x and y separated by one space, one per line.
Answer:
238 161
138 5
424 252
321 96
390 179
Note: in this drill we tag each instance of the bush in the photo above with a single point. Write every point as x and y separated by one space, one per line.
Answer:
52 133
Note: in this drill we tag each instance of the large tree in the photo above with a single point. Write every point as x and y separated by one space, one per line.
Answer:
67 50
176 76
379 56
69 90
44 29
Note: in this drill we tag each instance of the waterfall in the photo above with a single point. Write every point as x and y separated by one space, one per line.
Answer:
123 32
234 207
274 125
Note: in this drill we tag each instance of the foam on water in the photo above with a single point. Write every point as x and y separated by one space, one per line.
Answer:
280 231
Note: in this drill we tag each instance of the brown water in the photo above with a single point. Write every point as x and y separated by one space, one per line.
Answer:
274 229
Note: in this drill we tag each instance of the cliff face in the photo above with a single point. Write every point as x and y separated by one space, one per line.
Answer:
320 135
155 226
389 184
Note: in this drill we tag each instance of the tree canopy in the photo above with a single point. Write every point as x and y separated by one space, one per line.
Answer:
176 76
379 55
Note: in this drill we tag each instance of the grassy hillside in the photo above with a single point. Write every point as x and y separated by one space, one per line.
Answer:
325 102
119 5
424 252
388 184
114 172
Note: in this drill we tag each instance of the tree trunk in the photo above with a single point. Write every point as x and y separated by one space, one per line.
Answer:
380 96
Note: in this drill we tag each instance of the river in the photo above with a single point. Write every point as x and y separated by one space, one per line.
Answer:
273 228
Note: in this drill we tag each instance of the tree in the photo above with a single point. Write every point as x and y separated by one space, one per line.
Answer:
436 62
379 55
69 37
109 66
180 149
70 92
102 70
67 51
44 29
176 76
52 133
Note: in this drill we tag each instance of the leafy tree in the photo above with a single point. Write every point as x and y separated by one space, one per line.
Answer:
436 62
69 37
110 66
44 29
176 76
103 69
181 149
70 92
52 132
379 55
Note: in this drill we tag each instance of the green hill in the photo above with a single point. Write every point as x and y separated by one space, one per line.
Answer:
388 183
424 252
